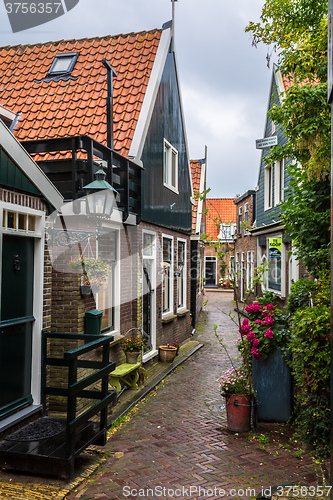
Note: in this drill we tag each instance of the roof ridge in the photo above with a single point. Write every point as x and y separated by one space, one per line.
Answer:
72 40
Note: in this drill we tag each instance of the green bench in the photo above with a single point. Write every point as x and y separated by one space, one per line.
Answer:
126 373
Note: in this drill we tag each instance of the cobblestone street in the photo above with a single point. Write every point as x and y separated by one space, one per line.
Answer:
177 444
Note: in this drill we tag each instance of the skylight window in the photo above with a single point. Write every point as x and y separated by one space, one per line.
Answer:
63 64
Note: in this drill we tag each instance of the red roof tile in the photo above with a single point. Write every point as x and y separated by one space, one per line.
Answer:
219 210
78 105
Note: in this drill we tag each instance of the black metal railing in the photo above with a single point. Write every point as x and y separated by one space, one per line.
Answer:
71 162
81 431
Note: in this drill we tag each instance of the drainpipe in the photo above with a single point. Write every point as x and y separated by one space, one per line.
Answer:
109 103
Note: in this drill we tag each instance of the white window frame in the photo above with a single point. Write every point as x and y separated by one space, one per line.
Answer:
278 182
282 292
273 127
248 269
252 271
170 153
268 188
184 276
237 268
168 311
116 285
242 277
227 235
293 268
153 352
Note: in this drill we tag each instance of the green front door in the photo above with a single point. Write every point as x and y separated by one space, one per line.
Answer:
17 284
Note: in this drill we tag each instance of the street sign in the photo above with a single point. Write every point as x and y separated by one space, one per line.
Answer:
267 142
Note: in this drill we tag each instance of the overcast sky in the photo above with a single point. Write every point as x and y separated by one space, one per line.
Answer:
224 80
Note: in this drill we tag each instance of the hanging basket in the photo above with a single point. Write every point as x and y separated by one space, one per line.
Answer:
85 290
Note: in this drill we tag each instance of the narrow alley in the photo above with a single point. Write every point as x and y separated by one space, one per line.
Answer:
177 444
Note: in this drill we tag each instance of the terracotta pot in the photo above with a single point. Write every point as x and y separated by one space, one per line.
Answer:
132 356
167 353
238 412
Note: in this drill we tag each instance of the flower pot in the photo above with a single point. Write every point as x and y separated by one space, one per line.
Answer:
238 412
132 356
167 353
272 384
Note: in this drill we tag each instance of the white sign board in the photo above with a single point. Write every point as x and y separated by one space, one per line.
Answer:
267 142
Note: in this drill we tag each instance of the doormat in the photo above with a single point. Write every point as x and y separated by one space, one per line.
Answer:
42 428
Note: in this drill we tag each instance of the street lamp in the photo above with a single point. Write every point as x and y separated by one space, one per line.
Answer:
100 201
101 196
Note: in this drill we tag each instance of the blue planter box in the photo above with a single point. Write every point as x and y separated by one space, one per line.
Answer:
273 387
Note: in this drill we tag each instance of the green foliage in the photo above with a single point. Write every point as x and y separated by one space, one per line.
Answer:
300 293
297 31
310 348
307 219
310 365
313 422
305 117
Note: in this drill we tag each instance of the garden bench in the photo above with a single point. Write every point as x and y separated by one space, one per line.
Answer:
126 373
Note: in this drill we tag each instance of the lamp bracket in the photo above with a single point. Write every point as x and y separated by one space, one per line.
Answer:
67 238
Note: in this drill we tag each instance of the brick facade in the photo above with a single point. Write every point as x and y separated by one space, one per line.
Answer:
245 248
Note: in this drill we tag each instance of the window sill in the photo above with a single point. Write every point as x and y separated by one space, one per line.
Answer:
182 312
150 355
172 188
117 338
168 319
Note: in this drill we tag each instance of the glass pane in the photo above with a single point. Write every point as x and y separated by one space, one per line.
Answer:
181 252
166 250
31 223
11 220
22 222
174 169
166 290
147 245
107 247
62 64
166 164
274 274
105 301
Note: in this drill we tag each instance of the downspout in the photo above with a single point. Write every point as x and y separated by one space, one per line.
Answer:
109 103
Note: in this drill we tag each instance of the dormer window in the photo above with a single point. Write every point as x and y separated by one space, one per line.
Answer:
63 64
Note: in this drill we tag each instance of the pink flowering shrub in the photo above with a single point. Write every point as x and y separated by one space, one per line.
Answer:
234 381
264 328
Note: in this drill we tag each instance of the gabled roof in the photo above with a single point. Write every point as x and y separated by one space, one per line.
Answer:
219 210
28 167
75 104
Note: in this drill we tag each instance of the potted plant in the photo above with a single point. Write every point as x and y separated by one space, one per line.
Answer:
266 333
234 387
167 353
133 346
176 344
94 272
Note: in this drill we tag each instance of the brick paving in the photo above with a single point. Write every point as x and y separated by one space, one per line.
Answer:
177 445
